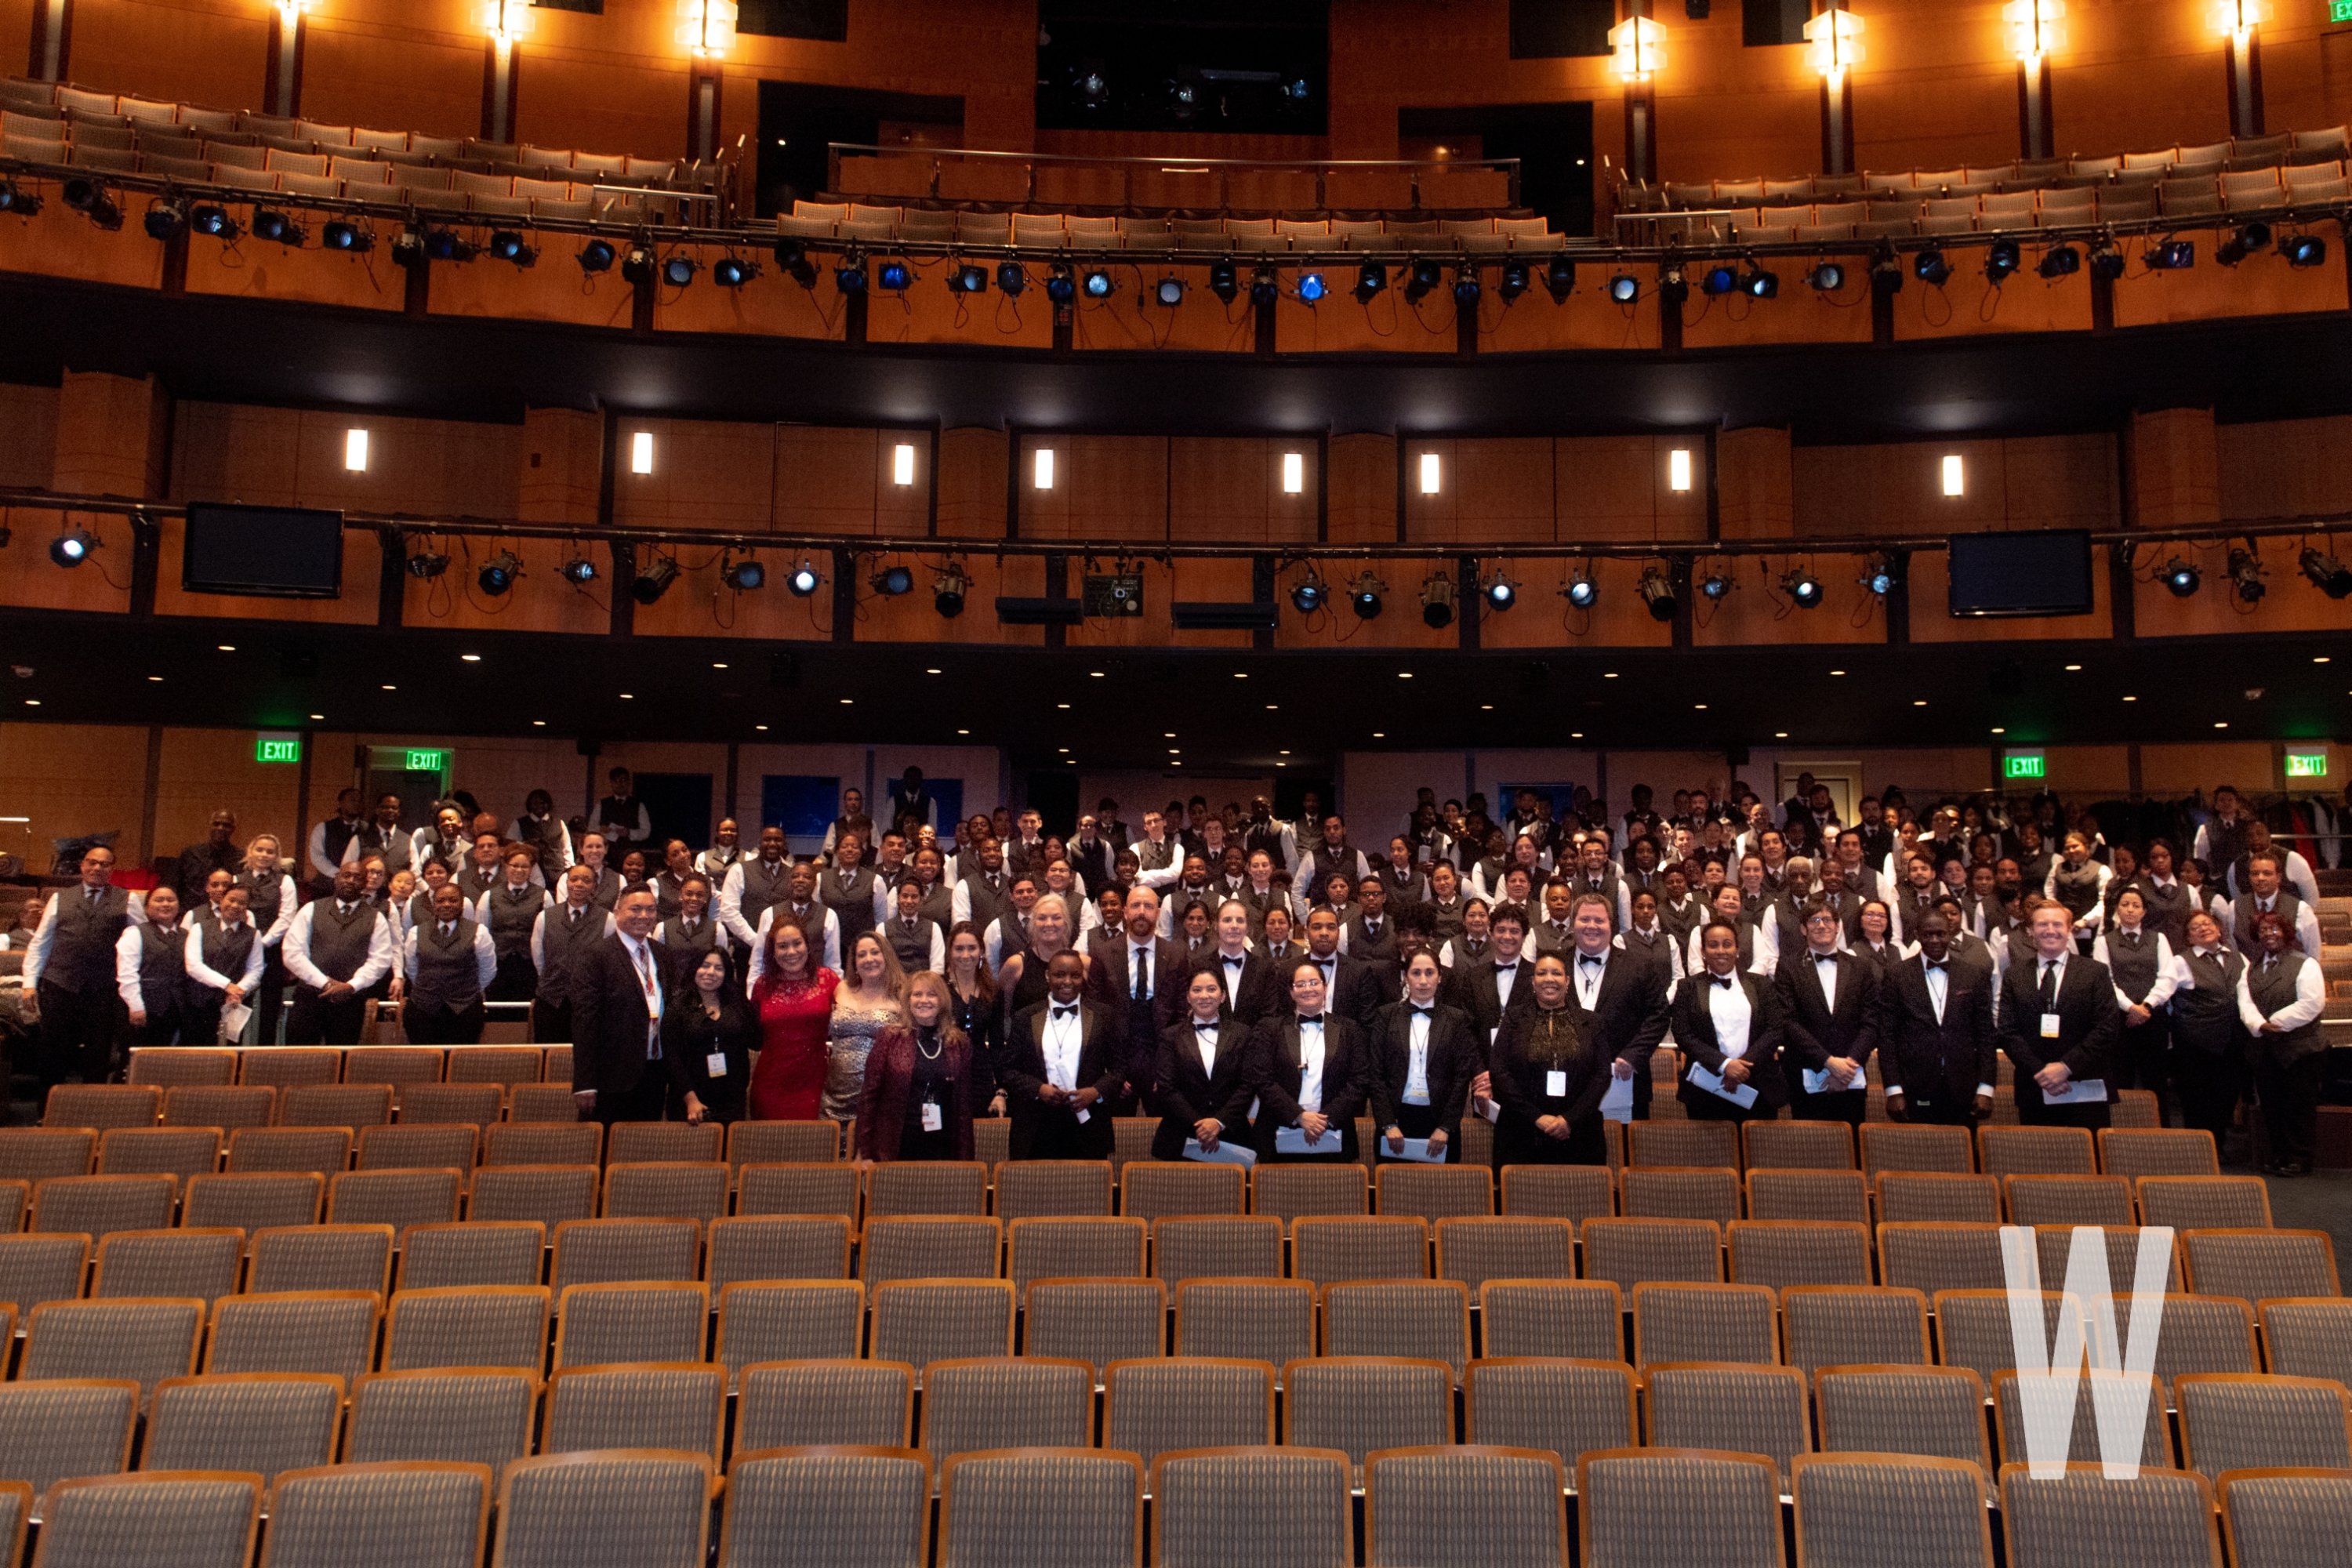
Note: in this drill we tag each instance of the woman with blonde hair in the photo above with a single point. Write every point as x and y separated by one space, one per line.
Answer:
271 902
870 1003
916 1101
1022 981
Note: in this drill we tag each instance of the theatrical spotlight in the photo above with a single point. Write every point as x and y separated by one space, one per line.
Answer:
407 246
1802 586
1827 277
895 277
428 563
850 275
792 257
1886 269
166 219
596 255
1581 590
1422 276
579 570
2243 241
1169 292
1311 286
1309 594
15 198
2001 257
1224 281
1466 284
892 580
1560 279
1758 283
742 575
2327 573
1437 591
1658 594
1265 286
498 573
677 271
1720 278
967 278
440 244
88 197
1009 277
2302 249
1364 594
347 237
1929 266
1514 280
2107 259
948 589
2181 577
1716 580
2171 255
270 224
733 271
72 547
1061 284
1880 571
1624 287
638 265
510 246
2059 261
1501 592
654 580
805 579
208 218
1370 279
1674 284
1097 283
2246 576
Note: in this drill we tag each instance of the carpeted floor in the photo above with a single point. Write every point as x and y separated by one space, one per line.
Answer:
2321 1201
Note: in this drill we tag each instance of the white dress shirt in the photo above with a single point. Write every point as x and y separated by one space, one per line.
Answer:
1204 1036
381 950
204 973
486 954
1311 1066
2167 979
1416 1072
1733 1014
37 957
2310 996
1588 970
130 954
560 913
1062 1044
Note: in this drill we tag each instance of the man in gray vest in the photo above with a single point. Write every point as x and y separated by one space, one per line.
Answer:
2265 896
2280 998
511 911
751 885
151 972
449 962
70 972
918 940
336 950
558 937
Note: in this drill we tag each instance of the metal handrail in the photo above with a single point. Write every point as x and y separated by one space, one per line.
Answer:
1130 163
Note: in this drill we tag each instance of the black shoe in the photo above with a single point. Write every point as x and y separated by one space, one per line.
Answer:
2293 1168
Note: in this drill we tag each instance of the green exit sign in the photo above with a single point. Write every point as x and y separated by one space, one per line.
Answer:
275 746
2024 764
2339 10
422 760
2310 764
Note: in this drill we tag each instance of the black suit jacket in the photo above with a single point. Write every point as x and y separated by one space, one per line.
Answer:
2088 1022
1357 992
1628 1017
1938 1064
1481 998
1188 1093
1107 987
1695 1036
1102 1063
1260 993
1279 1075
1454 1058
1815 1031
609 1019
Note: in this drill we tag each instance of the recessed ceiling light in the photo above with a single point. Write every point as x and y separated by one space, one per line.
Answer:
1779 734
1576 734
2131 698
32 702
628 697
1837 672
759 726
155 678
1274 707
1486 708
1918 703
1064 750
1167 735
1096 673
1178 763
541 725
1608 675
318 718
959 732
1698 707
389 687
718 664
1286 750
1175 751
228 647
849 702
2073 667
1379 735
931 672
2322 659
2221 723
1405 675
1062 705
1241 675
1999 730
1282 765
470 657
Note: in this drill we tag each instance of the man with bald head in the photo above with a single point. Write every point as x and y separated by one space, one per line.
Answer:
1138 983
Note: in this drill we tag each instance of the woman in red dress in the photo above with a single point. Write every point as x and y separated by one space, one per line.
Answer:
794 1001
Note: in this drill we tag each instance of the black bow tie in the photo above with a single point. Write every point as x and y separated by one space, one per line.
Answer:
1934 963
1725 981
1419 1012
1206 1025
1593 958
1825 958
1316 1022
1505 968
1062 1011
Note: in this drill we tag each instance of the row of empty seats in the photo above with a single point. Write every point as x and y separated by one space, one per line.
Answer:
817 221
957 177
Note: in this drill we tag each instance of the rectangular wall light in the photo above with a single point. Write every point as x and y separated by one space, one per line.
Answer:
1045 468
1429 473
355 450
1293 473
1955 481
1678 469
902 464
641 452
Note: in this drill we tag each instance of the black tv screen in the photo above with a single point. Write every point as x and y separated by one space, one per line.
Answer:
277 552
2040 573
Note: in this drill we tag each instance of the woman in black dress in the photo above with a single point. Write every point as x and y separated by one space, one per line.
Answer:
709 1033
972 1004
915 1104
1547 1077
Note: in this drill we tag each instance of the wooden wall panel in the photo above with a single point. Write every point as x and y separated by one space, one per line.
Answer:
1132 318
1363 488
1967 305
1755 480
2081 771
929 313
72 780
2177 770
29 577
204 770
356 607
2291 605
2175 463
1229 488
541 601
1106 487
2053 482
58 242
2261 285
1386 323
833 480
1798 314
206 51
1587 319
769 305
1543 619
364 68
2285 467
28 434
284 456
1494 491
707 474
912 618
972 463
254 268
490 287
1618 488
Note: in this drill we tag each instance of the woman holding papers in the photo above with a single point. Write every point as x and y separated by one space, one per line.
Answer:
1310 1076
1728 1025
1205 1083
1423 1058
1549 1076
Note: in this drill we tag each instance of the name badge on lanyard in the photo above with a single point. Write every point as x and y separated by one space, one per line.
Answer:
933 1118
1556 1084
714 1064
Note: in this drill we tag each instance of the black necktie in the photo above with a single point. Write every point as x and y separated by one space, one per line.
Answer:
2049 991
1140 962
2131 939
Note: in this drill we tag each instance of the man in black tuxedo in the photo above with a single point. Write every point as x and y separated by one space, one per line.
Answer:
1830 1009
1936 1037
2058 1022
1064 1063
1351 988
618 989
1423 1060
1722 1007
1246 976
1495 982
1206 1073
1136 981
1310 1073
1622 998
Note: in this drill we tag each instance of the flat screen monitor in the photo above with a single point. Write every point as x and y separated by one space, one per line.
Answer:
2044 573
279 552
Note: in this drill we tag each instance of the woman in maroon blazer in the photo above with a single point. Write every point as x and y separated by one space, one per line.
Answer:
916 1100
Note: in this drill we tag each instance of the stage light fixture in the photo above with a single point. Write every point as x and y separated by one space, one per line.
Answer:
948 589
850 275
579 570
2327 573
892 580
1309 593
2059 261
1514 281
270 224
654 580
2171 255
967 278
1802 587
1437 593
1624 287
440 244
1886 269
1466 284
1501 592
2246 576
347 236
1758 283
427 564
1658 594
1581 590
792 257
498 573
1224 281
678 271
1720 278
2001 259
2106 258
1422 276
2181 577
210 219
2243 241
1364 594
1311 286
1929 266
805 579
1098 284
1880 571
1559 277
15 198
2302 249
72 547
1673 284
1011 278
407 248
638 264
743 575
1827 277
88 197
1716 580
1062 284
596 255
1265 286
166 219
509 245
894 276
733 271
1092 88
1370 279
